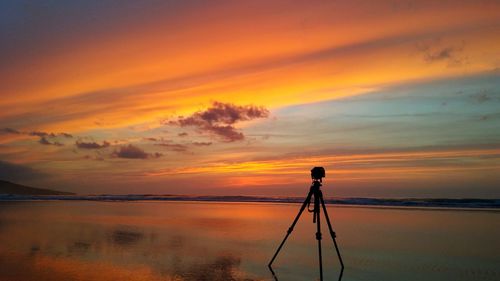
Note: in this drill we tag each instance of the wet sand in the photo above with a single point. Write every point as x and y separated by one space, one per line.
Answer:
82 240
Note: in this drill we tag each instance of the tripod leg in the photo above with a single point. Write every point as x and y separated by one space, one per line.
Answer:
318 237
308 198
332 234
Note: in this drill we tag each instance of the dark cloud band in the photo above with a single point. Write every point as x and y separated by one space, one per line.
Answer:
46 138
134 152
91 145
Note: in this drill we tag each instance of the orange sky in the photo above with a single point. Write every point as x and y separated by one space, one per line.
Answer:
387 95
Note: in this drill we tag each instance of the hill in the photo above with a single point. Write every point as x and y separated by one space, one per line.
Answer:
17 189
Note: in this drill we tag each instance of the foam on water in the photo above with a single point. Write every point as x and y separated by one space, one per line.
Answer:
407 202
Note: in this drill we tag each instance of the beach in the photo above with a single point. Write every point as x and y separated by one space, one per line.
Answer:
93 240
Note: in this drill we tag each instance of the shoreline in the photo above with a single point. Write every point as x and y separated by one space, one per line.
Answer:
441 203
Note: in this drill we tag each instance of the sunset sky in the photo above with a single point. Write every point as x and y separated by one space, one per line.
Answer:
393 98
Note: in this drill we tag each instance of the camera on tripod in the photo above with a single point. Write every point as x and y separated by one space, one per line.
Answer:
315 197
318 173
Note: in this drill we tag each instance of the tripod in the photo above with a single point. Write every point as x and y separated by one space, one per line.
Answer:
315 193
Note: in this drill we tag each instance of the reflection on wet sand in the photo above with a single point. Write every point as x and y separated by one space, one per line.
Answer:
224 268
233 242
15 267
124 237
78 248
45 245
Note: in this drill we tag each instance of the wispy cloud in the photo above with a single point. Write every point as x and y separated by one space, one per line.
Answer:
91 145
35 133
173 146
45 138
45 141
10 131
481 96
201 143
370 163
134 152
435 51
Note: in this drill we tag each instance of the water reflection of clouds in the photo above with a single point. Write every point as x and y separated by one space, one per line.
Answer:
78 248
223 268
34 250
126 237
159 241
215 224
176 242
17 267
98 255
163 241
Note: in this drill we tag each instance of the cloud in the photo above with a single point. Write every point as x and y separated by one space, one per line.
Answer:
183 134
15 172
10 131
45 141
227 132
45 137
220 118
41 134
174 146
434 52
45 134
196 143
481 96
95 157
441 54
91 145
134 152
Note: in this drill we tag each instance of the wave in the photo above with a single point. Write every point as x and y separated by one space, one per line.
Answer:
407 202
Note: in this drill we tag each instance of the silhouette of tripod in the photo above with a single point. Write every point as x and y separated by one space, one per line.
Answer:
317 173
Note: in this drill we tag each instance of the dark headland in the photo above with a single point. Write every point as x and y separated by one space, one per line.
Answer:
7 187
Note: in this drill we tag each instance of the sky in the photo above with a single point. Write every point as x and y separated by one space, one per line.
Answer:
394 98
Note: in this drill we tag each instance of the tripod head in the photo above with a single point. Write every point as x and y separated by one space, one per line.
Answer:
317 175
